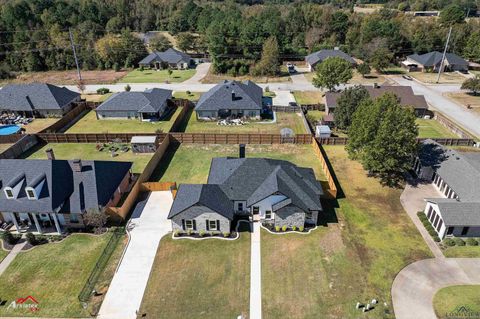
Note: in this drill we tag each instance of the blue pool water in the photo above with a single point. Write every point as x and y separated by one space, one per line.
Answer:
9 129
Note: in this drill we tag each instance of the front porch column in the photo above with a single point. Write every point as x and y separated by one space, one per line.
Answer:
37 224
15 222
57 225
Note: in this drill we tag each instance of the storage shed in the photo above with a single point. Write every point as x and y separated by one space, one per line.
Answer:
144 144
323 131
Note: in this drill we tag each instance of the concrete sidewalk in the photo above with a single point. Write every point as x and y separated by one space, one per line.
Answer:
255 274
125 294
11 256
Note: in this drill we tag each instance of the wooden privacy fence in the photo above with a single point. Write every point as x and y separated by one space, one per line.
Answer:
22 145
442 141
332 191
313 107
9 139
214 138
71 116
93 137
158 186
291 109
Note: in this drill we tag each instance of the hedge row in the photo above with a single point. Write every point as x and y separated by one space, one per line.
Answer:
423 218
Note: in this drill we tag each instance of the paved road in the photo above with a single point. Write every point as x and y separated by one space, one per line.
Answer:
255 274
125 293
202 70
415 286
466 118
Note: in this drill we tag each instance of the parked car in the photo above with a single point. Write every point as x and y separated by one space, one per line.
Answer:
291 68
407 77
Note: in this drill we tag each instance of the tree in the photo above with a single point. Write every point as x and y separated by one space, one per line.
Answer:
472 84
381 58
332 72
269 63
452 14
185 41
159 43
472 48
364 69
128 88
347 104
95 219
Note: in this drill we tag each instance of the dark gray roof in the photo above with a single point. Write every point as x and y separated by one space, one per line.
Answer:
404 93
231 95
320 56
35 96
434 58
149 101
460 171
64 190
210 196
455 213
170 56
288 210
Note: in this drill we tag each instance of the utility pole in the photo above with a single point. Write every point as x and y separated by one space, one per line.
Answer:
75 55
444 53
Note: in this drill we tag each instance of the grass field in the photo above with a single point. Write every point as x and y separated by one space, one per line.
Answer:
191 163
316 115
96 97
462 252
199 279
445 78
68 77
87 151
433 129
39 124
467 99
290 120
90 124
447 302
53 274
309 97
354 260
153 76
369 79
193 96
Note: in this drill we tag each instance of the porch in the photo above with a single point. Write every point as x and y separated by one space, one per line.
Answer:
44 223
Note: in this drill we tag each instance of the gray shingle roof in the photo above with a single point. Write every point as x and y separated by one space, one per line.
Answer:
434 58
320 56
232 95
35 96
170 56
149 101
457 213
64 189
288 210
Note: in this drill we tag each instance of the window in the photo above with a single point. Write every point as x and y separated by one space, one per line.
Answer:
430 209
9 193
256 209
268 214
465 230
212 225
240 206
439 225
31 194
450 230
189 224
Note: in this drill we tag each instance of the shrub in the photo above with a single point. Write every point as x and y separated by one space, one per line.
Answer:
103 91
422 216
189 232
94 219
459 242
31 239
449 242
226 234
471 242
201 233
188 93
294 228
301 228
9 238
116 67
284 228
436 239
277 228
176 233
432 232
128 88
141 69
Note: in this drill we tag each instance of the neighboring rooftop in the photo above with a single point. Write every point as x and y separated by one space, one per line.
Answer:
322 55
434 58
170 56
455 213
149 101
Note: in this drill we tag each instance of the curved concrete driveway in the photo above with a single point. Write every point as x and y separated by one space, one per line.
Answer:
415 286
201 72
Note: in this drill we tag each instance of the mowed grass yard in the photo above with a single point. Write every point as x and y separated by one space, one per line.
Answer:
433 129
447 302
462 252
191 163
355 260
90 124
88 151
54 274
445 77
39 124
467 99
309 97
199 279
291 120
154 76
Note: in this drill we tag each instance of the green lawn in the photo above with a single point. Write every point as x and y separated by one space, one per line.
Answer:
354 260
316 115
53 274
290 120
152 76
309 97
462 252
433 129
457 302
88 151
3 253
193 96
90 124
191 163
199 279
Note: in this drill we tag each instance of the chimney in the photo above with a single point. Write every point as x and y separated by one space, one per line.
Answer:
50 154
233 95
241 151
77 165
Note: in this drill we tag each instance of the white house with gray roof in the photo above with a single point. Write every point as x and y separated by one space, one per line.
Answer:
170 58
315 58
231 99
148 105
277 193
456 175
37 99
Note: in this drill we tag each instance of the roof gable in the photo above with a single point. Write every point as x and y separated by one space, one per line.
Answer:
152 100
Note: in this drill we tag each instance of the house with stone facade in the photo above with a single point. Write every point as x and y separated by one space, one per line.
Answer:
48 196
456 176
274 192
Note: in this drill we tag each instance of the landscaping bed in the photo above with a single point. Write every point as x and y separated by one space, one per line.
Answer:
424 219
199 235
160 76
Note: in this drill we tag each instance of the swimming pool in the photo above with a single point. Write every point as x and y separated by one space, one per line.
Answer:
9 129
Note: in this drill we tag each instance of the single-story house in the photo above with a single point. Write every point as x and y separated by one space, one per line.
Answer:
52 195
37 100
404 93
320 56
169 59
431 62
148 105
456 176
275 192
231 99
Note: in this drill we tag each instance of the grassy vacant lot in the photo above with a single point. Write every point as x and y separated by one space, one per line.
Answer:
446 77
309 97
433 129
193 96
466 99
53 274
87 151
96 97
462 252
448 300
369 79
216 78
68 77
90 124
356 259
199 279
191 163
290 120
153 76
39 124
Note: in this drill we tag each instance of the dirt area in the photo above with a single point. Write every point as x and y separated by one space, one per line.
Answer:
69 77
466 99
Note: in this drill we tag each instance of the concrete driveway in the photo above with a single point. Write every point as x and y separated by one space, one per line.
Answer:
283 98
201 72
415 286
148 225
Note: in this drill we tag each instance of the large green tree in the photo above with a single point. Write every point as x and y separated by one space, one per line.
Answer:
472 84
269 63
332 72
452 14
347 104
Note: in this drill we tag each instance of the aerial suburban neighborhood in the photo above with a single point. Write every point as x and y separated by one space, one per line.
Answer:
240 159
